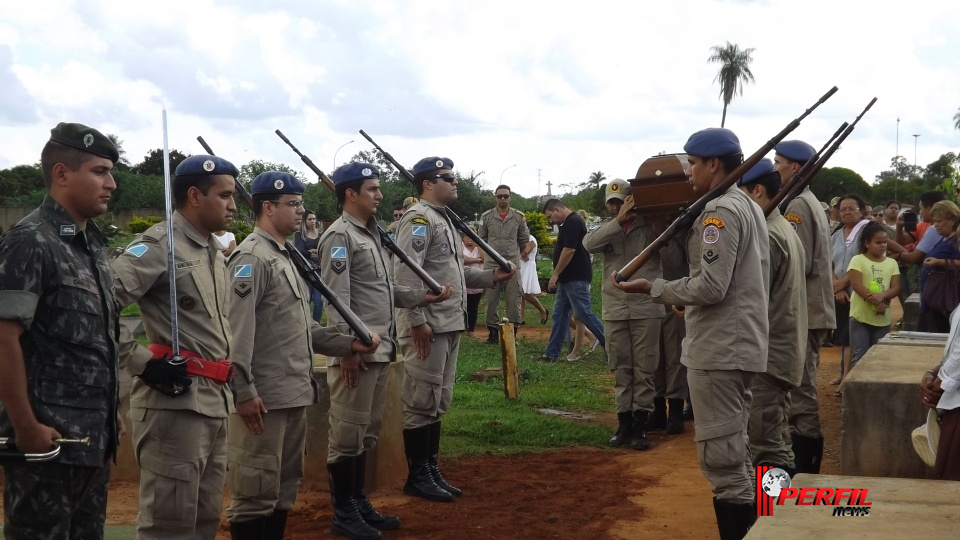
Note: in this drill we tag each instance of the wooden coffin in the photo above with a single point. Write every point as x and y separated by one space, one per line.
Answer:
661 185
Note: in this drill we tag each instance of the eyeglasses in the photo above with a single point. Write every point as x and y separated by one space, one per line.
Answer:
503 196
397 215
291 204
850 209
446 177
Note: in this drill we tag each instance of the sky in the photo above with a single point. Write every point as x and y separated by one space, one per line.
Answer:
528 92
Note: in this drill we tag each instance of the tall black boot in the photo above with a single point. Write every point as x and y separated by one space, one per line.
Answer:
624 430
435 462
276 525
420 482
807 453
638 440
658 418
251 529
675 416
734 520
347 520
494 337
370 515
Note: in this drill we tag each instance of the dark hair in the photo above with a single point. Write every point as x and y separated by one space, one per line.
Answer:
893 202
860 201
418 185
54 152
307 213
341 190
552 204
769 181
258 201
931 198
868 232
182 184
730 162
503 186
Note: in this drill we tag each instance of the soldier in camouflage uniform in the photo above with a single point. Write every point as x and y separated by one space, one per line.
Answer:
179 423
274 338
58 345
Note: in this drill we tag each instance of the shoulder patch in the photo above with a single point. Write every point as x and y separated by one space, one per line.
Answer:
338 252
713 221
711 234
419 230
420 220
710 256
137 250
794 218
243 271
243 290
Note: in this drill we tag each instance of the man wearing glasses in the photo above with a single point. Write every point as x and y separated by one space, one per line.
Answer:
430 336
268 310
505 229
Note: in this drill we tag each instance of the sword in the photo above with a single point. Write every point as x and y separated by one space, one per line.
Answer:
10 454
171 264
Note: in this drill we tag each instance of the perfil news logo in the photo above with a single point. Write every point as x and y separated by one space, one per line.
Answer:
774 483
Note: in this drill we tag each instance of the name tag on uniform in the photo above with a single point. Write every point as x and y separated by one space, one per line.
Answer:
419 230
188 264
243 271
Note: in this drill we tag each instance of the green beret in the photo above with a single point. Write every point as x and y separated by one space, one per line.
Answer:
85 138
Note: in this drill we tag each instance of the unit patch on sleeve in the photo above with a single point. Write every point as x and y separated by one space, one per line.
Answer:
794 220
243 289
338 252
711 234
137 250
243 271
710 256
419 220
418 230
713 221
338 265
418 244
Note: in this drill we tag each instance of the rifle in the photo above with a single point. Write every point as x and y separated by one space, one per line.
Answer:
385 238
820 162
693 211
790 187
454 218
309 271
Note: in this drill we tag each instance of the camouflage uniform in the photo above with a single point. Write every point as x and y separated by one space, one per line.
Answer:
180 442
54 278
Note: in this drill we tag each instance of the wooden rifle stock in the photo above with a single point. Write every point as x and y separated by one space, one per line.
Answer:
309 271
693 211
790 188
384 237
454 218
805 181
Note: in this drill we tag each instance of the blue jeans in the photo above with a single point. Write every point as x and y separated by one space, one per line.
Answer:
317 300
862 337
575 296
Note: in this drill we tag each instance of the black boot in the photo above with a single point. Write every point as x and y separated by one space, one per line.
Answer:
276 525
494 337
734 520
688 412
251 529
624 430
807 453
658 418
420 483
347 520
435 462
370 515
638 440
675 416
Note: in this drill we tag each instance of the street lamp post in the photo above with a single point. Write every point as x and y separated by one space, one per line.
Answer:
505 170
337 152
915 136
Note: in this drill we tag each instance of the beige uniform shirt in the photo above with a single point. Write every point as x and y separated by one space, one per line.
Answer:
274 336
140 275
507 236
809 220
787 308
727 292
356 267
432 241
619 247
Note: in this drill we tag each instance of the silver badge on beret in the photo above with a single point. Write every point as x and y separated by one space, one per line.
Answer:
439 163
366 172
209 165
88 139
278 184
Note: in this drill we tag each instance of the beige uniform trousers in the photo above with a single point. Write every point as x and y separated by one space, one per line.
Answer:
356 414
670 379
633 348
264 471
183 457
769 428
512 292
802 404
428 382
722 399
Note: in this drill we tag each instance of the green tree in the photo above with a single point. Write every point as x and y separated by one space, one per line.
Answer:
21 181
734 72
833 182
123 162
597 178
137 191
153 162
956 119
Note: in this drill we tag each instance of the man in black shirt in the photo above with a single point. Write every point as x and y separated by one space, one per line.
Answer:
571 278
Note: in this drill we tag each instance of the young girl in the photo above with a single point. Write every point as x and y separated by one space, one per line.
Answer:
875 279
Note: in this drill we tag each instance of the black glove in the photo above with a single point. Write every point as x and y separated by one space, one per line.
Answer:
167 375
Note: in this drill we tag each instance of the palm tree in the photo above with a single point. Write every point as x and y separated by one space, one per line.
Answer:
734 72
596 178
956 119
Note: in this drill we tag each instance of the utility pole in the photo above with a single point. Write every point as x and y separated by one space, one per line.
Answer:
915 136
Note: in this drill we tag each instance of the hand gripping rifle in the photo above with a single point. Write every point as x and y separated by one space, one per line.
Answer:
693 211
454 218
815 168
385 238
309 271
790 188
